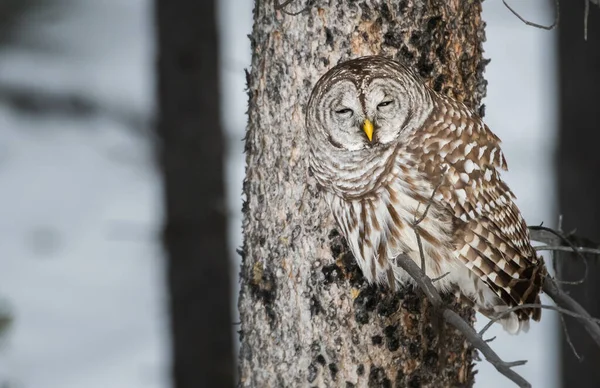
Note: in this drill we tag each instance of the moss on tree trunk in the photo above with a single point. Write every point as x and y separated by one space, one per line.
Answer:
308 316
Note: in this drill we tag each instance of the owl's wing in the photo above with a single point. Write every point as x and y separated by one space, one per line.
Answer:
462 157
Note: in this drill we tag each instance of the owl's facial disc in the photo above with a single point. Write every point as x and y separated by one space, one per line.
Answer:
387 105
344 118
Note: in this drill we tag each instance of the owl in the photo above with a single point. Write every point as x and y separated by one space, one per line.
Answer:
396 159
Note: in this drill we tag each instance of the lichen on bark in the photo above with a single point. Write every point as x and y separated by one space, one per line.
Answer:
308 318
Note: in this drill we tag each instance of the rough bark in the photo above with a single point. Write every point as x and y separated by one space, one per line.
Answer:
578 163
307 316
191 158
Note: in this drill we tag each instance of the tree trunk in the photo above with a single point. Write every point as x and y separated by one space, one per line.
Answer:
578 163
308 317
191 157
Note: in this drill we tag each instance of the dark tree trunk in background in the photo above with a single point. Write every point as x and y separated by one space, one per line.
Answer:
308 317
578 175
191 157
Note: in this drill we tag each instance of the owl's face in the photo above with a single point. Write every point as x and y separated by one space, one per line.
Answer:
364 104
357 118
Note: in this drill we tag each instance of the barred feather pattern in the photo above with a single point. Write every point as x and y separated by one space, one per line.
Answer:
472 232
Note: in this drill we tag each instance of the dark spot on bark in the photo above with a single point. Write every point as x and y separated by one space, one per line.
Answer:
399 382
264 288
360 370
365 36
328 37
433 23
414 382
424 66
385 12
331 273
355 337
262 240
392 338
333 369
321 359
315 306
392 39
377 340
365 303
325 63
389 304
378 378
352 270
366 11
430 358
415 38
440 52
413 349
411 302
429 334
406 55
439 82
312 373
402 5
350 385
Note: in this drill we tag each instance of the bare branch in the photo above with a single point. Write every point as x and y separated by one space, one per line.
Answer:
426 285
545 235
550 27
550 287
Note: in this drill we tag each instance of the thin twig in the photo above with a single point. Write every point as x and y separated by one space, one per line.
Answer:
425 284
567 249
418 220
440 277
550 27
568 338
561 310
421 253
563 239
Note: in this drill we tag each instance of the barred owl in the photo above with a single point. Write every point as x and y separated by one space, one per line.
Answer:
383 146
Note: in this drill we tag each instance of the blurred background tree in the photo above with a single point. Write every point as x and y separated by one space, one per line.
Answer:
191 155
578 170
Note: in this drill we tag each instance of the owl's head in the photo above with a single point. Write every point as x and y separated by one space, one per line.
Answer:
365 103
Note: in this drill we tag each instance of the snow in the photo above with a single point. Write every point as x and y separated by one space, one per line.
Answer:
80 204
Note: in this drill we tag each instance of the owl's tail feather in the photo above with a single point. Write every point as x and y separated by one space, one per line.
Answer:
511 322
493 301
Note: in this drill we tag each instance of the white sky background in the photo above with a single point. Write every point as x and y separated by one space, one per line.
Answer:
80 204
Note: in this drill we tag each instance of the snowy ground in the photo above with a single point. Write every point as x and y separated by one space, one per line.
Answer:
80 199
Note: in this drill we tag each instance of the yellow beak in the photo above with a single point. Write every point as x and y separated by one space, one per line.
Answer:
368 128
